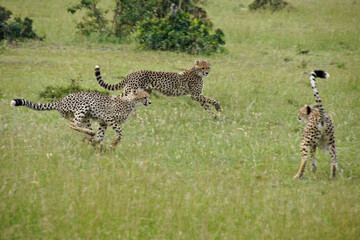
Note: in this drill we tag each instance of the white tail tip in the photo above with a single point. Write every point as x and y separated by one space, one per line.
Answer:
97 66
12 103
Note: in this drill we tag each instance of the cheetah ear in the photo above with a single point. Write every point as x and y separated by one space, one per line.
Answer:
197 62
207 60
308 109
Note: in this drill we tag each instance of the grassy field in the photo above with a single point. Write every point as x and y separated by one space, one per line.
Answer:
178 173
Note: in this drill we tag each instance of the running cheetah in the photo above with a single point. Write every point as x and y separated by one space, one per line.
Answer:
189 82
80 107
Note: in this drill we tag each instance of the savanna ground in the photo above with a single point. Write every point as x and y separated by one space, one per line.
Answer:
178 174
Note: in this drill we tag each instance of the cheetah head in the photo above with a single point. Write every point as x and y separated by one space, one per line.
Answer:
202 67
141 98
304 113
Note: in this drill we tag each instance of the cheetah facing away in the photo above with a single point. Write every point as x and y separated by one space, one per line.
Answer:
319 130
82 106
189 82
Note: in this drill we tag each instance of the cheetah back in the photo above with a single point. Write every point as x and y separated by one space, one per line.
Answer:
94 105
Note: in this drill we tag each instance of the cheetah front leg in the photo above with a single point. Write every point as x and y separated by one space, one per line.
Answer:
304 156
214 103
203 99
309 141
118 130
204 103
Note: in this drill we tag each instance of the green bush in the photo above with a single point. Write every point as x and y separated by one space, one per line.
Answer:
180 32
57 93
177 25
17 28
4 17
127 14
94 20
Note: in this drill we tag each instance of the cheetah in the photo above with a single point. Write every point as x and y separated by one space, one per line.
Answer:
189 82
80 107
319 130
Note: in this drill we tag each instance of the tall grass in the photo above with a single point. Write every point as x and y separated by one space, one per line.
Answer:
178 174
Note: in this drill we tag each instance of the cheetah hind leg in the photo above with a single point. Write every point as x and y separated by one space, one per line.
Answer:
313 161
100 135
88 137
334 166
83 130
76 125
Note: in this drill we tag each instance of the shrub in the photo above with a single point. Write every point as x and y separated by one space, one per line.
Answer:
128 13
177 25
180 32
273 5
17 28
4 17
57 93
94 20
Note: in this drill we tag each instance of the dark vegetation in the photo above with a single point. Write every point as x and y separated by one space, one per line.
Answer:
58 92
164 25
16 28
128 13
180 32
273 5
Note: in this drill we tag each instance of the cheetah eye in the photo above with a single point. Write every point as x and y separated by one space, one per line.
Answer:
203 68
145 98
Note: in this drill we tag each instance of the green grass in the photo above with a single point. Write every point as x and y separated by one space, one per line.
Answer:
178 174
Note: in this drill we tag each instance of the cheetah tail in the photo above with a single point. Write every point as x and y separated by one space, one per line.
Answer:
35 106
313 76
110 87
320 74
